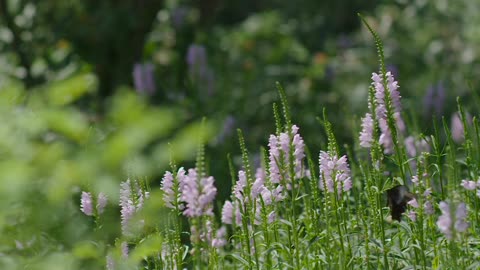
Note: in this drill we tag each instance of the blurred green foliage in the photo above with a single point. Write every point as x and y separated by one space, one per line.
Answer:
51 151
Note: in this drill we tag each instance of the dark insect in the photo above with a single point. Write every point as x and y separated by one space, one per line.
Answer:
397 199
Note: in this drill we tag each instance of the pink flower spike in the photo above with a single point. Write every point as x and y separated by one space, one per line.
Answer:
366 135
413 203
86 204
468 184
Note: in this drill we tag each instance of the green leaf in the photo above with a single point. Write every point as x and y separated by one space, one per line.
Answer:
69 90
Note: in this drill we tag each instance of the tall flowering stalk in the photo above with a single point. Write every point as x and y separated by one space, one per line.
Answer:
281 148
335 181
381 113
453 219
132 198
87 204
198 192
171 187
334 173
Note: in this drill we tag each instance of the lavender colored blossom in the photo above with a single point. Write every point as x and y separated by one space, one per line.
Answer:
415 180
274 157
259 183
366 135
413 203
196 56
381 109
220 238
178 17
428 206
271 196
469 185
279 156
239 188
86 204
392 86
412 215
101 202
198 67
461 215
143 78
168 192
415 147
447 222
132 198
434 99
227 129
229 211
456 127
171 189
410 146
198 193
334 172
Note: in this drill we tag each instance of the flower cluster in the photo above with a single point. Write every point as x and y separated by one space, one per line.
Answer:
193 195
385 139
471 185
334 173
423 197
198 68
262 196
86 203
144 78
132 198
452 219
434 99
171 187
198 193
416 146
457 128
279 156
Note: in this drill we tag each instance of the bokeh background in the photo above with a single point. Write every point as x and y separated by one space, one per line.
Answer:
94 92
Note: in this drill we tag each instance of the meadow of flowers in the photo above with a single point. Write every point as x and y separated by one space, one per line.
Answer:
394 199
302 208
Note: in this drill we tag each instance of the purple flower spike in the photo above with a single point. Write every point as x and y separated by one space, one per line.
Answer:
457 128
220 238
413 203
461 215
334 172
381 110
366 135
171 189
230 211
274 156
143 78
86 204
132 198
469 185
198 193
279 156
434 99
445 223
